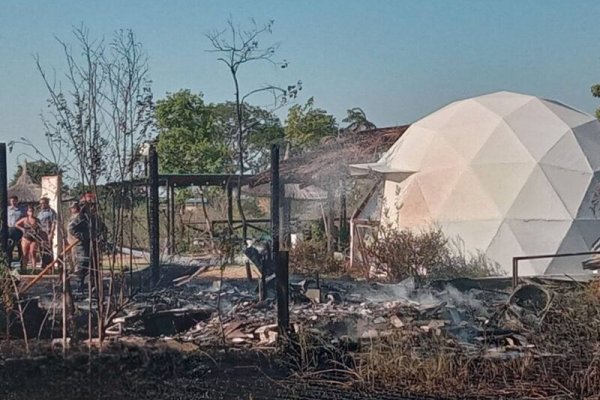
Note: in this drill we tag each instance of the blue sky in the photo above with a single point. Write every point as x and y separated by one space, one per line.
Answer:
398 60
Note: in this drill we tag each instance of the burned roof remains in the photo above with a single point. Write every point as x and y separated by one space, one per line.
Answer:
330 161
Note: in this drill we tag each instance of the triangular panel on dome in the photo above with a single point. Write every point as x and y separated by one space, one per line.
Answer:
476 235
470 112
503 147
538 200
503 182
571 186
537 127
408 152
503 247
589 230
436 186
572 243
589 208
468 200
441 155
539 238
570 115
437 119
567 154
467 139
393 197
413 209
588 136
503 103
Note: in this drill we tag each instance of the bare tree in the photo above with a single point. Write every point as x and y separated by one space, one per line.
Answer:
74 126
99 116
237 47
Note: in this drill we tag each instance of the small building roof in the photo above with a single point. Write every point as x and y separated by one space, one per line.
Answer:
25 189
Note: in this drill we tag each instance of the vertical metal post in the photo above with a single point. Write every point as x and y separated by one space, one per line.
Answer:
168 212
280 259
3 204
172 211
515 277
230 207
153 222
283 299
65 293
286 217
330 220
343 233
275 193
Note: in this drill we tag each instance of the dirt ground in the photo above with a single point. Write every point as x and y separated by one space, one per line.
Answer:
138 373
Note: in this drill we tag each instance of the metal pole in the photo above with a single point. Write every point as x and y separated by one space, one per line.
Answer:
515 276
169 243
280 259
343 233
172 211
286 217
153 222
3 204
230 207
283 299
275 193
64 307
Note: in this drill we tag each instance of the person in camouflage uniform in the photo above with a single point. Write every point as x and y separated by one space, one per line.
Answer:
79 230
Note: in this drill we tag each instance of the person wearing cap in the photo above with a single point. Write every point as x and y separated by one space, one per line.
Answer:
79 231
14 213
47 217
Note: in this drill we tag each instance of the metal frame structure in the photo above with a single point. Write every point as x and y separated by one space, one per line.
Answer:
515 261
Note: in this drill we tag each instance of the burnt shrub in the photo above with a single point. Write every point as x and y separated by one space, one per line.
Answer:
310 256
425 255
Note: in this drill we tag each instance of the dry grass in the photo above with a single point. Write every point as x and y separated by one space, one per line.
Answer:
564 361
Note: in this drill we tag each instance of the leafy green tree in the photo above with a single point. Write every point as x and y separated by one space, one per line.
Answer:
262 129
189 140
596 93
37 169
357 121
306 126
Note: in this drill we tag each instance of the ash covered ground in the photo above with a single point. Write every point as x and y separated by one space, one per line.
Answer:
197 335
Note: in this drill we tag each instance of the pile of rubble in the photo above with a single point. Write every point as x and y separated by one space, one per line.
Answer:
208 313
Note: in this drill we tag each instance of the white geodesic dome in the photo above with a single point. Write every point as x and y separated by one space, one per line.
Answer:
510 174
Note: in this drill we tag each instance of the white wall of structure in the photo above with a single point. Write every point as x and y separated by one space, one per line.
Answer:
510 174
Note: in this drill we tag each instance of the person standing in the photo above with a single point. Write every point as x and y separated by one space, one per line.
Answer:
14 213
30 226
47 217
79 231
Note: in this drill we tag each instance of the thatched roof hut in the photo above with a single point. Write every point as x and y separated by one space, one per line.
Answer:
25 189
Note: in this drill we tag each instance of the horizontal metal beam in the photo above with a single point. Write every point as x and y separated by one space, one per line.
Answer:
515 277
